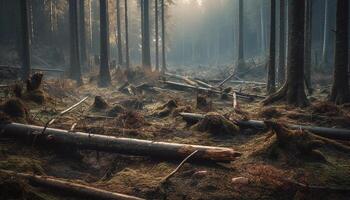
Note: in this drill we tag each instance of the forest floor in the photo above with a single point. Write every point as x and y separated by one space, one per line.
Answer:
260 173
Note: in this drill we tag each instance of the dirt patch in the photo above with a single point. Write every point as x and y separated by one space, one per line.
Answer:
215 123
15 110
131 120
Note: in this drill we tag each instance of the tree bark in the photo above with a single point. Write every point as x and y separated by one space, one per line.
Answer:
308 43
340 89
128 146
73 188
26 41
271 87
146 47
282 44
75 68
164 67
127 56
325 34
156 33
241 63
104 76
293 91
119 35
82 34
332 133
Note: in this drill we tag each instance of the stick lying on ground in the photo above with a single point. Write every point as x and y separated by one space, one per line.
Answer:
178 167
34 69
332 133
74 188
116 144
239 82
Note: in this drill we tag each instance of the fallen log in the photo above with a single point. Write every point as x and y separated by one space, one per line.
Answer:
183 78
33 69
204 84
206 90
332 133
115 144
73 188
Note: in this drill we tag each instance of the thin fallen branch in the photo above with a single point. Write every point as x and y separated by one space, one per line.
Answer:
332 133
112 144
73 188
183 78
176 85
178 167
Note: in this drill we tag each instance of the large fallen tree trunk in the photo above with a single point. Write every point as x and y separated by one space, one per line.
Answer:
115 144
332 133
207 90
33 69
73 188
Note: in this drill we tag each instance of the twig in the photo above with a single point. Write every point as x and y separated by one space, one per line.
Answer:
178 167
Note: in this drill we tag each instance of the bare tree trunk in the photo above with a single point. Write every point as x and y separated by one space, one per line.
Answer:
104 77
262 27
325 35
308 43
282 44
156 33
26 42
241 63
82 34
340 90
293 91
127 57
272 56
119 35
164 67
75 68
146 48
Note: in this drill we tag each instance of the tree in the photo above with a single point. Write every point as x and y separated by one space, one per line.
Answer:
240 36
146 48
82 34
127 57
325 34
271 68
104 77
293 90
26 42
308 42
156 33
119 35
340 89
75 68
282 45
164 67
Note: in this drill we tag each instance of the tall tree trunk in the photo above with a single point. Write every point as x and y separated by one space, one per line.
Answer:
164 67
104 77
82 34
293 91
308 43
75 68
156 33
340 90
262 29
241 63
282 44
272 55
146 48
119 35
325 35
127 57
26 42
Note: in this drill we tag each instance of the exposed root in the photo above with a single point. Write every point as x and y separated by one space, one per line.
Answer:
291 145
216 124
